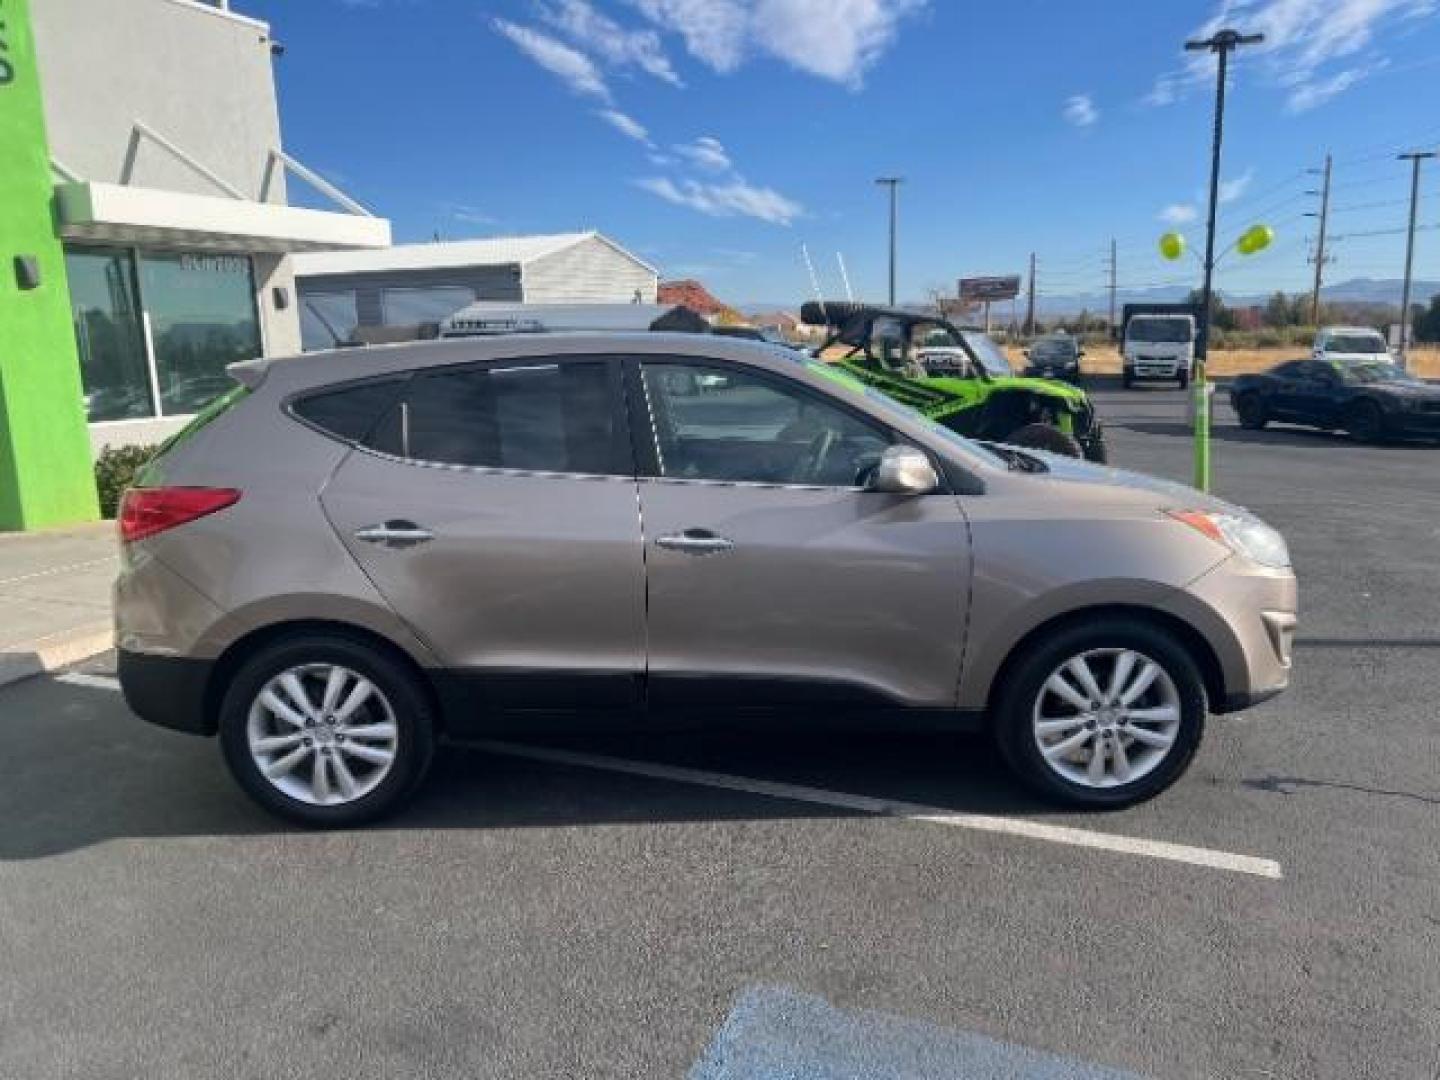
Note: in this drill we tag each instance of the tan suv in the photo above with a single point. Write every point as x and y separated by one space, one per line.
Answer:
355 553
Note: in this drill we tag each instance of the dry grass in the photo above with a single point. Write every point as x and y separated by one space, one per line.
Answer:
1424 361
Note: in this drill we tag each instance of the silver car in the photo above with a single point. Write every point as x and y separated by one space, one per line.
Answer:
354 554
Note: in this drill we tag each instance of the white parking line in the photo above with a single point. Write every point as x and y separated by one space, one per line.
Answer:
865 804
94 682
56 570
1032 830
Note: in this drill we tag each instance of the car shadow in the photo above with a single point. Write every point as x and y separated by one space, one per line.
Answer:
81 770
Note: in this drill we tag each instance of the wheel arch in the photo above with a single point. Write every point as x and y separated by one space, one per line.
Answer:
1194 642
244 647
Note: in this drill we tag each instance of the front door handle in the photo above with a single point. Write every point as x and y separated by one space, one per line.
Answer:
695 542
394 534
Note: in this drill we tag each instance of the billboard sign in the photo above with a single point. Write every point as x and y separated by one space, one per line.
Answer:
986 289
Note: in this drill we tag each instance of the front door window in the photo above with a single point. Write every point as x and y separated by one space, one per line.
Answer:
716 423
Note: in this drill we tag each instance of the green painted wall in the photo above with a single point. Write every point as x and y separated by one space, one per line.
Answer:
45 471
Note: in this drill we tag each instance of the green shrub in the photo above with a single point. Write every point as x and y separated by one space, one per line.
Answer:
115 471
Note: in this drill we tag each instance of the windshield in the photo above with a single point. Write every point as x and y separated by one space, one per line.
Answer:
1159 330
1053 349
991 356
1373 371
1356 343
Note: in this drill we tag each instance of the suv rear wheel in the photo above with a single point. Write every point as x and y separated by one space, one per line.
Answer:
324 730
1102 714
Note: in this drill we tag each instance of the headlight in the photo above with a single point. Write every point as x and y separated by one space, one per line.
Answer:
1245 536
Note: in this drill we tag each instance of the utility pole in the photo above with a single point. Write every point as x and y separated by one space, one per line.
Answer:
1030 303
893 183
1324 216
1222 43
1113 265
1415 157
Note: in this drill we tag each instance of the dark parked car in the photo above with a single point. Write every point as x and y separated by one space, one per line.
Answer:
1056 357
1371 399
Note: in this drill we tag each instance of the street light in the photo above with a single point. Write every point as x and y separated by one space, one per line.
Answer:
893 183
1222 43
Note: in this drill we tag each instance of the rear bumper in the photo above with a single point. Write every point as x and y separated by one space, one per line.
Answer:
167 690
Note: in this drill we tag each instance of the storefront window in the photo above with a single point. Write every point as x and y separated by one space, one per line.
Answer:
327 319
412 306
202 317
108 334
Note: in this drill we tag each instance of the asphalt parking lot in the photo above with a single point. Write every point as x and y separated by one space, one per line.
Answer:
723 906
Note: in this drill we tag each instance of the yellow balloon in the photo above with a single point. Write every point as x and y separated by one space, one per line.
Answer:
1172 245
1256 238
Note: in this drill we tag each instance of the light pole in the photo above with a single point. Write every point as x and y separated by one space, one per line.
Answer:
893 183
1414 158
1222 43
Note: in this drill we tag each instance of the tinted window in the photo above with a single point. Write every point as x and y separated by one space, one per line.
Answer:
716 423
542 417
1288 370
349 412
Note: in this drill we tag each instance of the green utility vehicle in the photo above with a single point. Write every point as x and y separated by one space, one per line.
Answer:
956 377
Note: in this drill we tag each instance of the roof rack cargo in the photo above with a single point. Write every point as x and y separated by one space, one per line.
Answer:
487 317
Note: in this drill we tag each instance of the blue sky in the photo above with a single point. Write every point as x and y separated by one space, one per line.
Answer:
714 137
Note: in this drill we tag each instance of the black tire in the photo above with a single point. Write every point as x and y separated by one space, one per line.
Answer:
1250 408
413 718
1097 450
1044 437
1025 680
1365 422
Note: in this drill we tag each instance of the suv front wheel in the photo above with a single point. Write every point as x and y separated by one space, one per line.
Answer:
326 731
1102 714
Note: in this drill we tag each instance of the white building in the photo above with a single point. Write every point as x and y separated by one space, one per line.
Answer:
419 283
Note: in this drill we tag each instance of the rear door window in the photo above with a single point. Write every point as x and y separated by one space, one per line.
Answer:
538 416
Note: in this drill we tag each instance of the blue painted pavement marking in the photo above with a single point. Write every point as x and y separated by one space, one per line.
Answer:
774 1033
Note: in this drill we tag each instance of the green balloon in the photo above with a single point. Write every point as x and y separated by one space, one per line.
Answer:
1256 238
1172 245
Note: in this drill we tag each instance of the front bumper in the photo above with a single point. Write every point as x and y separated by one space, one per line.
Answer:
167 690
1247 614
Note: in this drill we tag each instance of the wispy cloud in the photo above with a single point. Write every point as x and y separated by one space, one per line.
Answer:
604 37
1178 213
571 66
1305 41
706 152
1317 92
730 198
626 124
837 40
1232 189
1080 110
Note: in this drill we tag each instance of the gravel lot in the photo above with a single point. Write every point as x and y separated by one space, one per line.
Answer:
549 918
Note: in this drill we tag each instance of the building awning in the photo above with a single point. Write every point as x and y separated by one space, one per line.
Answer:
121 214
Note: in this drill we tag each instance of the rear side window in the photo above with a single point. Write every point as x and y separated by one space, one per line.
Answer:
350 412
547 417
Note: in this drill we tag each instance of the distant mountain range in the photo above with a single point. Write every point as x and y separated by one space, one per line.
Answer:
1356 290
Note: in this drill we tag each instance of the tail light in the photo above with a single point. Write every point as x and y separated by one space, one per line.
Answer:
150 511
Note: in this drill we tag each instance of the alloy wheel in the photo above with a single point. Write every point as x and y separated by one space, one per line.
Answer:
1106 718
322 734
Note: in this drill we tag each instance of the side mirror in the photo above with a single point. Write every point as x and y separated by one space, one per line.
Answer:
904 470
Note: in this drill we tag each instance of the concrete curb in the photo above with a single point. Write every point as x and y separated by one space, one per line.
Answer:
26 659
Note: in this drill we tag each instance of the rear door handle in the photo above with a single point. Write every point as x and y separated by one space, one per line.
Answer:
695 542
394 534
